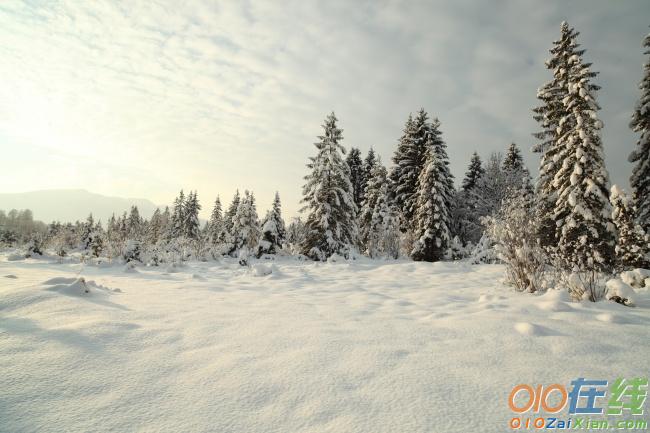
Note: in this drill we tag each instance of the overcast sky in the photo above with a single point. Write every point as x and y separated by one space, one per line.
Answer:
141 99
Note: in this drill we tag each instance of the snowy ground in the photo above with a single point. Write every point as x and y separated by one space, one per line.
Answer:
336 347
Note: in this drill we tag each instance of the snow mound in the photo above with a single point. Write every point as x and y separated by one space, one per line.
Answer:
261 270
490 298
616 287
531 330
198 277
130 268
12 276
15 257
77 287
636 278
60 280
610 318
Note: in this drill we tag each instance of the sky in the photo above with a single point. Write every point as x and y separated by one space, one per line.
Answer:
141 99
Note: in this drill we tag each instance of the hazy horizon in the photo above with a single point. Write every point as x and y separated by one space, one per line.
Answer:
141 101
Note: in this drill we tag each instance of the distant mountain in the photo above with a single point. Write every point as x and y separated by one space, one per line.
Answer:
72 204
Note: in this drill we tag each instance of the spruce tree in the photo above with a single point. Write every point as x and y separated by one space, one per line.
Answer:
273 230
368 166
433 207
549 115
474 172
373 191
177 217
516 172
407 167
582 211
229 216
328 196
134 223
632 249
640 179
191 228
383 238
215 226
246 227
355 166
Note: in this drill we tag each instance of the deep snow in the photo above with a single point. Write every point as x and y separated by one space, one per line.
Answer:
290 346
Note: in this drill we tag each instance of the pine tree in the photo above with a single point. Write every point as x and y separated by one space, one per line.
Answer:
246 227
368 166
372 193
491 188
474 172
640 179
632 249
356 174
549 115
177 218
409 161
155 228
516 173
328 196
191 227
433 206
134 223
383 238
582 210
273 230
229 216
215 227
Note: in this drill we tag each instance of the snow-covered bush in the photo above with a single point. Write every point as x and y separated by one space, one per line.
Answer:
632 249
132 251
514 234
484 251
586 285
34 247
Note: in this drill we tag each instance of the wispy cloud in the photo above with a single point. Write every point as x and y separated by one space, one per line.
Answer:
149 97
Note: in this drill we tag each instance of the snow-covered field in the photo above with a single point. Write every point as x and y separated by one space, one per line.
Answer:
333 347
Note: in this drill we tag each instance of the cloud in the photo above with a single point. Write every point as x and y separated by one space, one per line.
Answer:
145 98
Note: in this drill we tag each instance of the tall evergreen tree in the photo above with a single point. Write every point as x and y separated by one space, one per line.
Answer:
383 237
368 166
229 215
328 196
640 179
549 115
356 174
215 230
177 217
191 227
433 206
246 226
474 172
409 159
134 223
516 172
582 210
373 191
632 249
273 229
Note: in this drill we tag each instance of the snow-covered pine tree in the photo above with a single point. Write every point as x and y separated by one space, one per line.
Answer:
548 115
229 215
408 163
273 230
491 188
383 239
154 228
433 205
191 227
246 227
215 228
474 172
632 249
327 195
356 174
372 193
582 212
134 223
640 179
465 220
177 218
368 165
296 234
516 172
